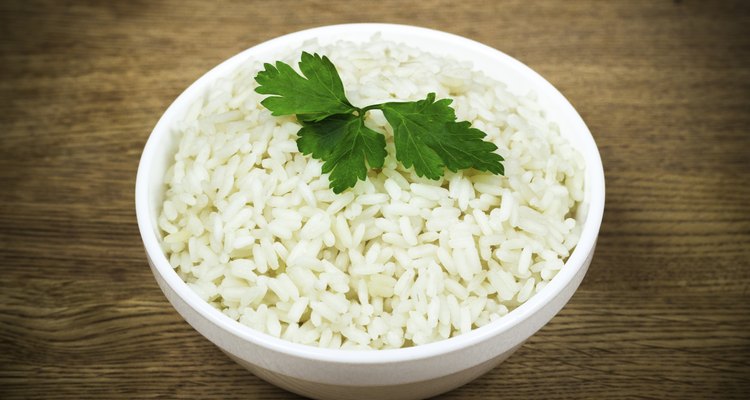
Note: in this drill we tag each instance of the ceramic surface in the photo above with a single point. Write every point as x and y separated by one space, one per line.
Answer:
415 372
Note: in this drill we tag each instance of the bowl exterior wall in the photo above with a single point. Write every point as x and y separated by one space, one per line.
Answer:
405 391
324 379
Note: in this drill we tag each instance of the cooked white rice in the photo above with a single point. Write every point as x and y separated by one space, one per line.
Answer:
251 225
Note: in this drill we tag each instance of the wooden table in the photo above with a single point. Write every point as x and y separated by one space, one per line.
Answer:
664 311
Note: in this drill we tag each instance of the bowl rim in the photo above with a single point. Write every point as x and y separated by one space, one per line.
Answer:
574 263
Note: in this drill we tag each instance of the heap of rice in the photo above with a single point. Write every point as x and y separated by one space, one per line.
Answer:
252 227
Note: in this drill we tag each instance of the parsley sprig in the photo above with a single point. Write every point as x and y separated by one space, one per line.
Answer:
426 133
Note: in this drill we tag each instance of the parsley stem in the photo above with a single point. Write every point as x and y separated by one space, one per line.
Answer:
368 108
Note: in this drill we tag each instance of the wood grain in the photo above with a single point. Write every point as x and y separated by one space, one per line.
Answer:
664 86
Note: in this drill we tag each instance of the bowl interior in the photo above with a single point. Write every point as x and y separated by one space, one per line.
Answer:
520 79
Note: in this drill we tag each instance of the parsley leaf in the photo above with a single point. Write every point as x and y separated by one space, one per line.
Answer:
426 133
344 143
317 95
428 137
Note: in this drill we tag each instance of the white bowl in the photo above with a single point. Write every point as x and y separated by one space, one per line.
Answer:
408 373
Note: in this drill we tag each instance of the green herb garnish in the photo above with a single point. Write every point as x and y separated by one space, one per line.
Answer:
426 133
